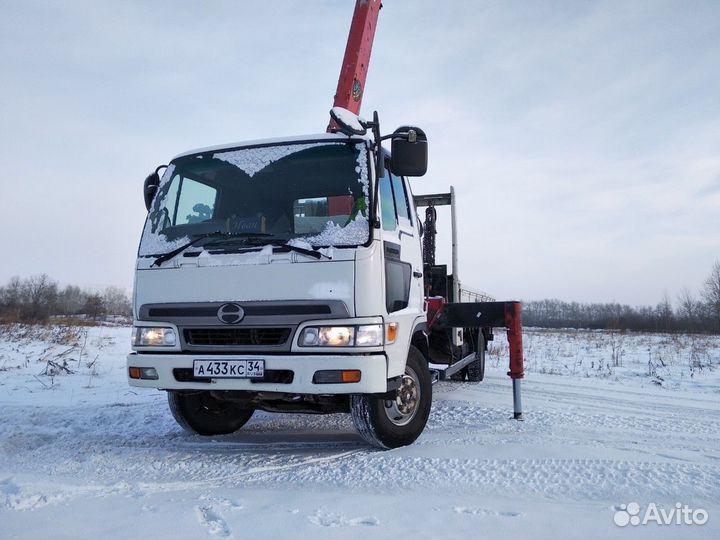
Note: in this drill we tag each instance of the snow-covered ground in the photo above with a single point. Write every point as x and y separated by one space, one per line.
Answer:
610 419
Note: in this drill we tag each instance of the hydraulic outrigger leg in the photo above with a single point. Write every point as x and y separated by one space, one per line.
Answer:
513 323
493 314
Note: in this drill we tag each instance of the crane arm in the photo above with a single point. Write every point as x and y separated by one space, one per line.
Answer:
353 72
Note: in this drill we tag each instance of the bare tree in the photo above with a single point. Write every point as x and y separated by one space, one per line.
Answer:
94 306
117 301
711 292
70 300
11 299
38 295
688 309
665 312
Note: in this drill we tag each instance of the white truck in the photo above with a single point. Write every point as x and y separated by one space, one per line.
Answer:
289 275
286 275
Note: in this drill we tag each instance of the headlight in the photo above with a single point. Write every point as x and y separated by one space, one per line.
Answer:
149 336
369 335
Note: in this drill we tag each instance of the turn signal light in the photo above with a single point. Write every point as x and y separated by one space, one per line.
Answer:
337 376
392 332
147 373
351 376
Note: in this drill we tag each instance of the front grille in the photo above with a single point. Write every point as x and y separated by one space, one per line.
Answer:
251 310
240 337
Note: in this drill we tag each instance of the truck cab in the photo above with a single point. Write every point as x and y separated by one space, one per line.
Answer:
286 275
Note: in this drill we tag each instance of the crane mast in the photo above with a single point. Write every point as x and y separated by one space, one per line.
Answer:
354 68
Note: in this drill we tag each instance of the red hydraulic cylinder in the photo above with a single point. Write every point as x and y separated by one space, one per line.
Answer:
353 72
513 323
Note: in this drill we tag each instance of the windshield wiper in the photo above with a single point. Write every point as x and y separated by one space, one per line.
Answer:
303 251
170 254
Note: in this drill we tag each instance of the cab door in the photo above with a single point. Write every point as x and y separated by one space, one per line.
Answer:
404 300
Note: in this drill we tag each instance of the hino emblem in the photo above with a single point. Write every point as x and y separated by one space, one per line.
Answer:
230 313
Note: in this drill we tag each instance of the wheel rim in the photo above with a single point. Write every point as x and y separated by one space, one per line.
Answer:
401 410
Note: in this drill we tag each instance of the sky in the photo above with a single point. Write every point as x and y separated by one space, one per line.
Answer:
582 138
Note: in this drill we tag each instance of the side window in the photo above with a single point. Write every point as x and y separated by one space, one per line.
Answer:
196 202
387 207
401 198
397 285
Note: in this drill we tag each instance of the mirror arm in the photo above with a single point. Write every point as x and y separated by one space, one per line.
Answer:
375 127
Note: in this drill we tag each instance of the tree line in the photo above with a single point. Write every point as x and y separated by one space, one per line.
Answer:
690 313
39 298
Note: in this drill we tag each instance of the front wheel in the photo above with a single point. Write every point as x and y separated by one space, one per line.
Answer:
397 422
199 412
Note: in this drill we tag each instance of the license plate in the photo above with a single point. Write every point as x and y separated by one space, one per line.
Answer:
229 369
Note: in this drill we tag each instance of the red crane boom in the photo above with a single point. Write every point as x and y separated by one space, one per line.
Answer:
353 72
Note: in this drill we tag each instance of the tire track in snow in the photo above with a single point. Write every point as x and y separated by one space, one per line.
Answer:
550 478
31 495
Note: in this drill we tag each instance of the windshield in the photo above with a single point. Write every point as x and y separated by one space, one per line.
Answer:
306 194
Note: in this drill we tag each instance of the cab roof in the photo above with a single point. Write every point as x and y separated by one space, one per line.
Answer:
340 137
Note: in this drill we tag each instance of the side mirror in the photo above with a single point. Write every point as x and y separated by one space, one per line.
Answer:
409 152
150 188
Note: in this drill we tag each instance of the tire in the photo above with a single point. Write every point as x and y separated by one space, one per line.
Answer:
461 352
476 368
390 424
199 412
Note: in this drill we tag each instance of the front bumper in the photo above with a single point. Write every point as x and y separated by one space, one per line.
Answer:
372 366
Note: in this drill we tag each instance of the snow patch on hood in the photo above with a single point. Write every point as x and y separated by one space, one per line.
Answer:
264 256
300 243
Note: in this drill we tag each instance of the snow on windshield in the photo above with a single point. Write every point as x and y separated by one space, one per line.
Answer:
254 160
357 231
354 233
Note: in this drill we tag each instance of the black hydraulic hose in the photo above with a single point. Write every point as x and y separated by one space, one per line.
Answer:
429 236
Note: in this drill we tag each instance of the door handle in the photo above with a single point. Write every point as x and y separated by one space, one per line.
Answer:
417 274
